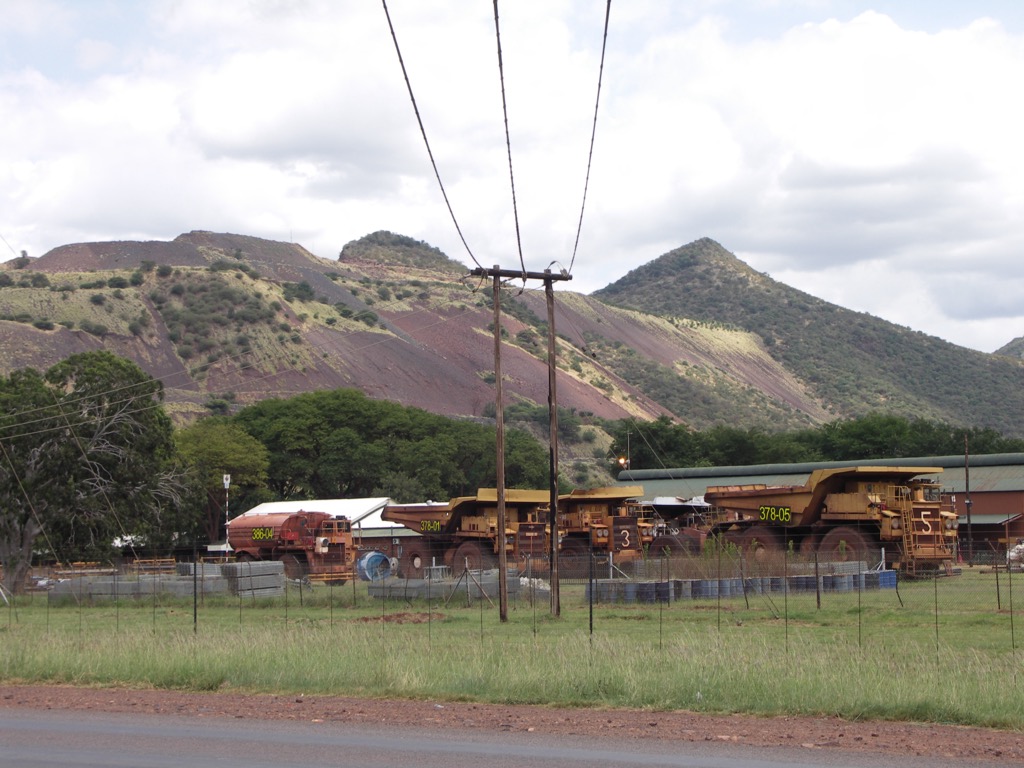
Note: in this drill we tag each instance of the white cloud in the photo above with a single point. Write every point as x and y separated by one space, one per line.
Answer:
856 154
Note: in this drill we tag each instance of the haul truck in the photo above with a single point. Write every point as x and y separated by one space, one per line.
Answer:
604 520
845 513
464 532
312 544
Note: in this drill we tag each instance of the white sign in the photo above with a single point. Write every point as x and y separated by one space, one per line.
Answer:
227 481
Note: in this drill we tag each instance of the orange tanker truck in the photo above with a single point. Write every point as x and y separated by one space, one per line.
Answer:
310 544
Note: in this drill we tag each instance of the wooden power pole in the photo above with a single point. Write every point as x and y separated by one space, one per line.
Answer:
499 442
548 277
556 602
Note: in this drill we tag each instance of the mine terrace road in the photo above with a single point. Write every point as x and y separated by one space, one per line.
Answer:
32 738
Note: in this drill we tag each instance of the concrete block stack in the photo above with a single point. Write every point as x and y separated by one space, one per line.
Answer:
255 579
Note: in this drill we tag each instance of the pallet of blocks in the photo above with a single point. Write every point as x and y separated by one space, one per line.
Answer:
255 578
153 565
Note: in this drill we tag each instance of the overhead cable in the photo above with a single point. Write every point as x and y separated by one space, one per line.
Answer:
593 134
508 141
423 132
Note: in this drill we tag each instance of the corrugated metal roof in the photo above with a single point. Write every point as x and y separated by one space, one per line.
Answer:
999 472
364 513
989 519
992 478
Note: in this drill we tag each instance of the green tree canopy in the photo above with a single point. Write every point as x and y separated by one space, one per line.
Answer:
340 444
87 458
661 443
215 447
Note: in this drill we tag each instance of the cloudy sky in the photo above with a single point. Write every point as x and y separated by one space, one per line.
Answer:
869 153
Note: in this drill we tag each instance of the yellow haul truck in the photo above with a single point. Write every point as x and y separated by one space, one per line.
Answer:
845 513
464 532
604 520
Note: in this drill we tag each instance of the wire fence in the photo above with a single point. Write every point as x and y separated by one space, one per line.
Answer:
966 605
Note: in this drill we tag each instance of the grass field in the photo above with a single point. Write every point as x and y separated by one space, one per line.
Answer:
939 650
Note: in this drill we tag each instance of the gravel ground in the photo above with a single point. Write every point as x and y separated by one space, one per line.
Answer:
812 733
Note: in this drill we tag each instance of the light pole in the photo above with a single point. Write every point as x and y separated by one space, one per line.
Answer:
227 516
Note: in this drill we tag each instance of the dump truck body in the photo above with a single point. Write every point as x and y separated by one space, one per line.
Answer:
604 520
464 532
845 513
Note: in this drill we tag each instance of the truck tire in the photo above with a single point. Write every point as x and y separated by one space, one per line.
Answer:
415 560
673 544
572 547
449 556
573 559
844 544
473 554
293 567
809 545
760 542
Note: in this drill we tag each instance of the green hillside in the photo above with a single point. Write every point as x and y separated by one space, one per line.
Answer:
695 336
856 363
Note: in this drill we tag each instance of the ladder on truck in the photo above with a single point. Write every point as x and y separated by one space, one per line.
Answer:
898 498
922 532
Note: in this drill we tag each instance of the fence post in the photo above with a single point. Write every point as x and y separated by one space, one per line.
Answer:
718 576
1013 639
999 599
817 581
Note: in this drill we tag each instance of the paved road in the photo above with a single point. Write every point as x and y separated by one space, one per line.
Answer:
73 739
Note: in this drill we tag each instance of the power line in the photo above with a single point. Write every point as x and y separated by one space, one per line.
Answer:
8 245
508 142
28 500
88 462
74 402
593 133
423 132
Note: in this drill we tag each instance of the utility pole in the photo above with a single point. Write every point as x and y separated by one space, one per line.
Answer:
499 416
967 504
548 277
556 599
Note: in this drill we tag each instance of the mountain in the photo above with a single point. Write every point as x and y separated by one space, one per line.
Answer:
1014 348
851 362
695 335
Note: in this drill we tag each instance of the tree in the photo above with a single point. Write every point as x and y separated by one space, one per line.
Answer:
343 444
657 443
87 457
216 447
